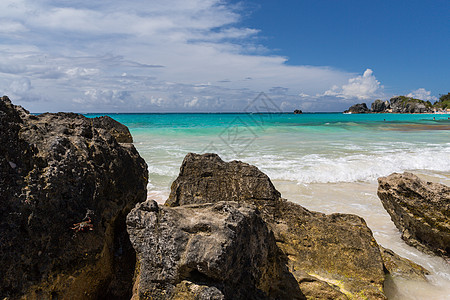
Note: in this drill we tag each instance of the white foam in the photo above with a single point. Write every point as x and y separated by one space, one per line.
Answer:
325 168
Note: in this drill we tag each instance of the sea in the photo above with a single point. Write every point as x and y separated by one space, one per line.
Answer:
327 162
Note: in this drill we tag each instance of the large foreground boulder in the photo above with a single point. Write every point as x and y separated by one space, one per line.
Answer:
419 209
207 251
66 186
330 256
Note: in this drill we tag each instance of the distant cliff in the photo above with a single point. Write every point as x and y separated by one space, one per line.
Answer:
402 104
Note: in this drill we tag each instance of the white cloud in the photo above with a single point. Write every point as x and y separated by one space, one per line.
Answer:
11 27
20 86
75 54
361 87
192 103
422 94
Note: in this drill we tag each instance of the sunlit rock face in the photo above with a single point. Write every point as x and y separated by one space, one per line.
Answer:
419 209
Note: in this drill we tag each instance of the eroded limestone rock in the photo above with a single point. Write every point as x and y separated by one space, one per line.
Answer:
338 249
57 170
207 251
419 209
401 267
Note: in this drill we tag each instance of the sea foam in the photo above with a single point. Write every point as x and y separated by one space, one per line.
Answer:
352 168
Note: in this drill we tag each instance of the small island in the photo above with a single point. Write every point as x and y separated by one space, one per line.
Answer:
298 112
403 104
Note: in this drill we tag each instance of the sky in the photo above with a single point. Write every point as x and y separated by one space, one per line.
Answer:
218 56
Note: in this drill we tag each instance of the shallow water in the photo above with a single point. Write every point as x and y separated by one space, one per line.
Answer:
325 162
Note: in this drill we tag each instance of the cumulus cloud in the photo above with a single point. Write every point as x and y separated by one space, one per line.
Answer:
422 94
361 87
169 55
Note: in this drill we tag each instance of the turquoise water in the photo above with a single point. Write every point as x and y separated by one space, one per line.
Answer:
307 148
325 162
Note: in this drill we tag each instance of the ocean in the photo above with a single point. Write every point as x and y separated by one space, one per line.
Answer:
327 162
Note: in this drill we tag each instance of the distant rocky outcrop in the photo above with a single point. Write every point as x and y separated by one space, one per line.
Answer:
380 106
419 209
298 111
402 104
360 108
66 186
399 104
339 248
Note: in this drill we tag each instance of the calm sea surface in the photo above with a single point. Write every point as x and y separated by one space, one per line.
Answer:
326 162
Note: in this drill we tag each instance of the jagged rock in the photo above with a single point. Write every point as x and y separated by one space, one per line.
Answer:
57 170
116 129
298 111
206 178
402 104
380 106
338 249
358 109
207 251
398 266
420 210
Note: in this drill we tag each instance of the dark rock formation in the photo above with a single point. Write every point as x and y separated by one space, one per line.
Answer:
298 111
207 251
380 106
402 104
57 170
207 178
420 210
116 129
338 248
358 109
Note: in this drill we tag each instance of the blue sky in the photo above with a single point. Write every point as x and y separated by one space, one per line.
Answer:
406 43
212 55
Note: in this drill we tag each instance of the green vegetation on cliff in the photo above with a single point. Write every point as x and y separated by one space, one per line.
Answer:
444 102
405 100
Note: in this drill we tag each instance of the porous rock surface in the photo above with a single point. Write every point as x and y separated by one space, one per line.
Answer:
331 256
400 267
419 209
206 178
57 170
222 250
